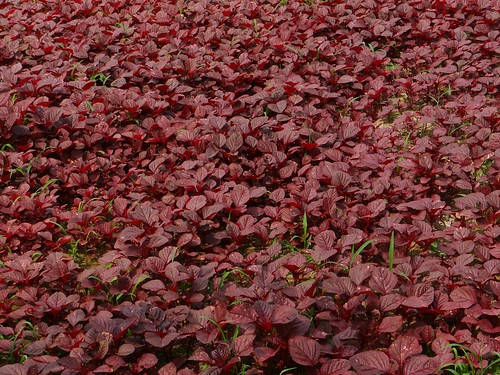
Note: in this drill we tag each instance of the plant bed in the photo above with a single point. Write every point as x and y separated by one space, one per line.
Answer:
249 187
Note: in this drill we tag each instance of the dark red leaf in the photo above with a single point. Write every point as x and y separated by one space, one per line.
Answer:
15 369
325 240
346 79
283 314
57 301
472 200
168 369
76 316
278 107
304 351
383 281
335 367
390 302
234 142
125 349
130 233
390 324
403 347
465 296
145 213
420 365
419 296
196 202
370 362
147 360
240 195
262 353
243 345
264 311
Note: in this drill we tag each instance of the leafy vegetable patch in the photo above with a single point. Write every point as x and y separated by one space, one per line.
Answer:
249 187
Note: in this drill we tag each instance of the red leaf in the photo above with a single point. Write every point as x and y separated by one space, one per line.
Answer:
420 365
145 213
350 239
304 351
264 311
57 301
125 349
320 254
35 348
243 345
335 367
278 107
390 324
346 79
288 170
196 202
277 195
234 142
243 314
168 369
390 302
263 353
340 178
233 231
470 201
465 295
283 314
154 285
377 206
130 233
371 362
16 369
325 240
208 212
404 347
240 195
350 131
75 316
147 360
184 239
359 272
383 281
419 296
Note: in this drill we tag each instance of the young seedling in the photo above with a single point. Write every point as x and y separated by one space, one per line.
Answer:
461 352
391 252
44 187
226 274
356 253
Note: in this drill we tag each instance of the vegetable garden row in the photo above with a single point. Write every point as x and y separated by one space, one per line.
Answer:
249 187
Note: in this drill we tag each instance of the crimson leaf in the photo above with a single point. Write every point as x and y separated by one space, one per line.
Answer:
304 351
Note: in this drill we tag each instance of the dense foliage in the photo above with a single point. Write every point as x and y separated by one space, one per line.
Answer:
248 187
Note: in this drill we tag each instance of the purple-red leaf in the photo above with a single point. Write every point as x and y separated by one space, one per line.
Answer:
335 367
57 301
304 351
196 202
383 281
240 195
278 107
420 365
346 79
466 296
419 296
125 349
403 347
243 345
390 324
370 362
234 142
147 360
